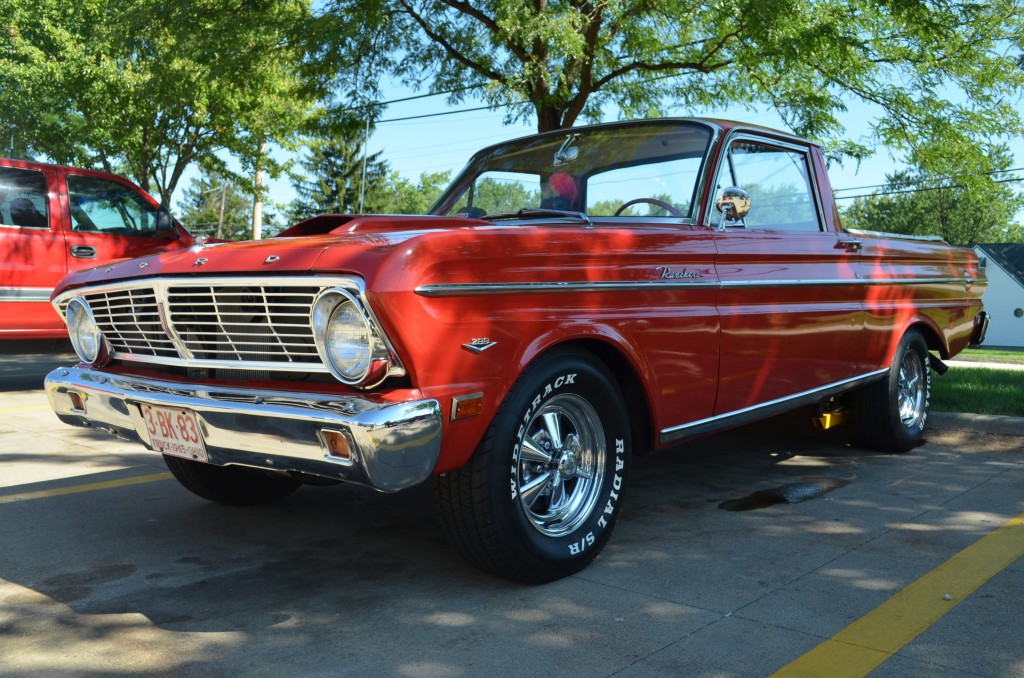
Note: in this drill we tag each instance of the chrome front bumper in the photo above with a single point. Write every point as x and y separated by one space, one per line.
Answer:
393 445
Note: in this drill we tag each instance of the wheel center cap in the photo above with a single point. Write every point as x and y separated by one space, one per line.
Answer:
568 465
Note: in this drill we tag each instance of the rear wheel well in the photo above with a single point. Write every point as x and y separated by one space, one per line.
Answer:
638 409
931 338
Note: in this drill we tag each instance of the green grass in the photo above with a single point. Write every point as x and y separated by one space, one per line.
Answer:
979 391
985 355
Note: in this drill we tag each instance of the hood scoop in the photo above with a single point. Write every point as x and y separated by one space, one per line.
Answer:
344 224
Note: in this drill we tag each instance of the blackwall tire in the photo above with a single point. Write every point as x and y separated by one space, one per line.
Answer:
540 496
890 415
228 484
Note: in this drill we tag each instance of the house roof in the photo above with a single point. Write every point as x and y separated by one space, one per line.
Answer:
1009 256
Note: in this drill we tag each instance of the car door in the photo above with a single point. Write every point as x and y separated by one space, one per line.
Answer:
32 250
790 303
109 219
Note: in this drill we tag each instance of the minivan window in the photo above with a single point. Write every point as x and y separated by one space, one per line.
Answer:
23 200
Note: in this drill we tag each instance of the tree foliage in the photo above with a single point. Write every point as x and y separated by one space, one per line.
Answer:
917 202
147 88
933 70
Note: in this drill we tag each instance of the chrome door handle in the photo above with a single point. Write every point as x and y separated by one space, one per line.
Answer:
850 245
83 251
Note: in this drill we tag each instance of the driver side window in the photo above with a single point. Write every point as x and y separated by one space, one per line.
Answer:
779 184
103 206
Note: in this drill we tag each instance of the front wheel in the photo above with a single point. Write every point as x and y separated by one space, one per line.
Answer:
229 484
540 496
891 414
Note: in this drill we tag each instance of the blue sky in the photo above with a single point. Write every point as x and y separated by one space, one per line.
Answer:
446 142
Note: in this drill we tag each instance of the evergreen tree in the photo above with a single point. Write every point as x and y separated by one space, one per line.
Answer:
214 206
331 179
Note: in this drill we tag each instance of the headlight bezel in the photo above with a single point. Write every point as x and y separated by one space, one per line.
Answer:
77 314
323 314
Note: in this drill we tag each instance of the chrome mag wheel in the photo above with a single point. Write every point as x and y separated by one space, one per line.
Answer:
561 465
912 395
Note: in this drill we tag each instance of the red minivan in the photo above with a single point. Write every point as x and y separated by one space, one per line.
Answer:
56 219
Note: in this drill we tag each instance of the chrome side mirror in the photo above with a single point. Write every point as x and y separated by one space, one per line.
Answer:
734 204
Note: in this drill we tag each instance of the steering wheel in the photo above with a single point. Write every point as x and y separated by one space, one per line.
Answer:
671 209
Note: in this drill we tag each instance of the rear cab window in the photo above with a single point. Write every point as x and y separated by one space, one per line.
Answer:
23 198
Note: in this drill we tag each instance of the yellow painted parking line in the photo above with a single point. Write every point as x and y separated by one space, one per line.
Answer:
87 487
863 645
23 409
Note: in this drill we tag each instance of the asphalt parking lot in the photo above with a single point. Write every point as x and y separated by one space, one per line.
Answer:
905 565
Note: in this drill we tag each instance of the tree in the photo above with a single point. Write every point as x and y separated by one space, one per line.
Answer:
918 202
147 88
934 70
399 195
215 206
331 181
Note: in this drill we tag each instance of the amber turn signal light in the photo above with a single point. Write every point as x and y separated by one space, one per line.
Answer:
77 401
467 406
338 448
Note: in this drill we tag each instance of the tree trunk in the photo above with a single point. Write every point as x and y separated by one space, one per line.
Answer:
549 118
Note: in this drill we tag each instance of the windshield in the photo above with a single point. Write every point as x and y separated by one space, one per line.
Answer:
631 170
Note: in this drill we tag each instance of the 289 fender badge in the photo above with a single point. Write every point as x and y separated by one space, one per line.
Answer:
479 345
200 261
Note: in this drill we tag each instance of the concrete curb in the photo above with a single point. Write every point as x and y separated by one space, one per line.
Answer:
969 364
981 423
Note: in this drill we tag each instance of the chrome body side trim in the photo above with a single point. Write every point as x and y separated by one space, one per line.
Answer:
460 289
763 410
895 236
396 445
35 294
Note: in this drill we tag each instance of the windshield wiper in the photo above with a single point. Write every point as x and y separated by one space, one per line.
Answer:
538 213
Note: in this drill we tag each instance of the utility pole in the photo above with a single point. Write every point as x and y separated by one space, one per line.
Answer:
257 197
366 142
220 214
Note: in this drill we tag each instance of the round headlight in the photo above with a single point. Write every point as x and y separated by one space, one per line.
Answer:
85 334
343 335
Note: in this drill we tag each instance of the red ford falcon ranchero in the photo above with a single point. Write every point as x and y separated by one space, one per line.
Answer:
573 298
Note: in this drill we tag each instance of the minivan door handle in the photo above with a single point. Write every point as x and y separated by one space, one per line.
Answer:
83 251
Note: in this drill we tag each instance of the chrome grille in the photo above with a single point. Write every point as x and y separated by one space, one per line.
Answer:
130 320
253 324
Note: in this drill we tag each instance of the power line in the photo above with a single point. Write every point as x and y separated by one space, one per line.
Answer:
917 190
437 115
942 178
521 103
374 104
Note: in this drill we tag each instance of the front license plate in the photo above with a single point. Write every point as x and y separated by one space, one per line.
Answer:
175 431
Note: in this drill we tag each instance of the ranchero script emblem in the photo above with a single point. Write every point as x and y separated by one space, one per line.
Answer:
666 273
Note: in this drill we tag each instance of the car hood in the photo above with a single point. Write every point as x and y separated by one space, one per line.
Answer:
356 245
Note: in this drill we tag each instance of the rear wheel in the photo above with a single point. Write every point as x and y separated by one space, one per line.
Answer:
890 415
540 496
229 484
